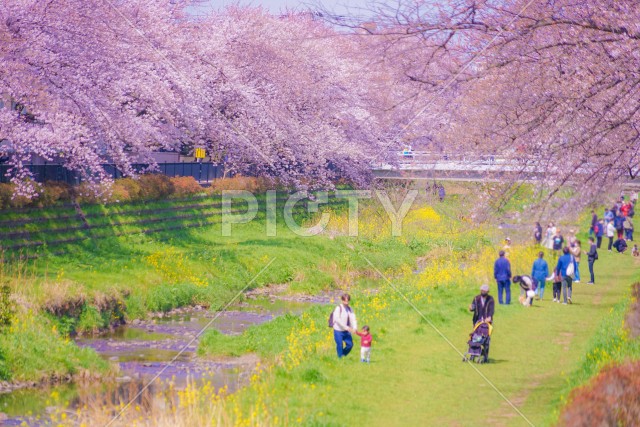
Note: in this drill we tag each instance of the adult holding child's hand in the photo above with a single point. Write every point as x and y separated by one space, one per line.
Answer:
343 321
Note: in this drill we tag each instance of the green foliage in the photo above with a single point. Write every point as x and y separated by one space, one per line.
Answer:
167 297
7 307
33 349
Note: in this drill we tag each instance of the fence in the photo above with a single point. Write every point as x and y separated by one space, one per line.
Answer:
202 172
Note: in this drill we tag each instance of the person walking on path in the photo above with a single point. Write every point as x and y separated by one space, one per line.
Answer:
628 228
344 322
540 272
592 257
483 306
600 229
365 344
611 231
566 263
548 238
576 251
502 274
557 287
441 193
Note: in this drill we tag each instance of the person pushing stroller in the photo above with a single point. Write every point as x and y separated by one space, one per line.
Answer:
483 306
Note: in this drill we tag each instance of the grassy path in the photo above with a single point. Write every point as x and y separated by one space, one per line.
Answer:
416 378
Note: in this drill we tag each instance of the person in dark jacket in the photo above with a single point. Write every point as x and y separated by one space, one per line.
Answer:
558 240
594 221
600 230
561 270
502 274
620 245
483 306
540 272
592 256
618 223
537 233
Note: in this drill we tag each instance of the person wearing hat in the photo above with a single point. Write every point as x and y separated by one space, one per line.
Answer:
482 306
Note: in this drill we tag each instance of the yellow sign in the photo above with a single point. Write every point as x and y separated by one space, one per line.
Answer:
200 153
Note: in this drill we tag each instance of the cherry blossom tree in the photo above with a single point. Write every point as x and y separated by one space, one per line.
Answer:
89 84
551 84
100 81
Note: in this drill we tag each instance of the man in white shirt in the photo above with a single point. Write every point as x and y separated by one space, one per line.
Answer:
344 323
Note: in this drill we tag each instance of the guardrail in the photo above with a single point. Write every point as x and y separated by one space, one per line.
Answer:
201 172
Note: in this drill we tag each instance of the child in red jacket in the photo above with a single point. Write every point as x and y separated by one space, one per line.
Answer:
365 344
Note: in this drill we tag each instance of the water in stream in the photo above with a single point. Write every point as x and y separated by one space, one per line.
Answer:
144 351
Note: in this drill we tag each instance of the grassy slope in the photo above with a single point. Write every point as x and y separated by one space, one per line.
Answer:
416 378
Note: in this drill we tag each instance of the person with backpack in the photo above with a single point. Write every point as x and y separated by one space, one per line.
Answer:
343 321
592 257
566 268
600 229
540 272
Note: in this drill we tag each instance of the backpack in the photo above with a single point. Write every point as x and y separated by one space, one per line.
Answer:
331 322
571 270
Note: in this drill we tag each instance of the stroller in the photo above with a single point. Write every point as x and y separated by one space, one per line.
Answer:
480 339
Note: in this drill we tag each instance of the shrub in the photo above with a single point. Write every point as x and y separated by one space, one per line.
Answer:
7 199
254 185
52 193
6 192
125 189
185 186
611 399
155 186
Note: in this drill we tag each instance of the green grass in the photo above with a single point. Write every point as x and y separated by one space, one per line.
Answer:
417 378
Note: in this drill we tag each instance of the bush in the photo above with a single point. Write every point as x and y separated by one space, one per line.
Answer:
185 186
7 199
254 185
52 193
611 399
155 186
6 192
125 190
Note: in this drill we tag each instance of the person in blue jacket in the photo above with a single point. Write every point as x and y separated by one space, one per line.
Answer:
540 272
561 270
502 274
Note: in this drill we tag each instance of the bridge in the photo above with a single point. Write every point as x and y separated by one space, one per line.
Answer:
427 165
417 165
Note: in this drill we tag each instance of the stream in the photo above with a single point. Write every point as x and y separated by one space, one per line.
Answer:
143 351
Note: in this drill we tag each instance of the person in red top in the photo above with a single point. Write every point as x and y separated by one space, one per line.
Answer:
365 344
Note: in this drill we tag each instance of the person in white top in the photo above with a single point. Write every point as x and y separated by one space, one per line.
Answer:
344 323
611 231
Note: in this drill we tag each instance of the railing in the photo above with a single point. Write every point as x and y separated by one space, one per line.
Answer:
201 172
